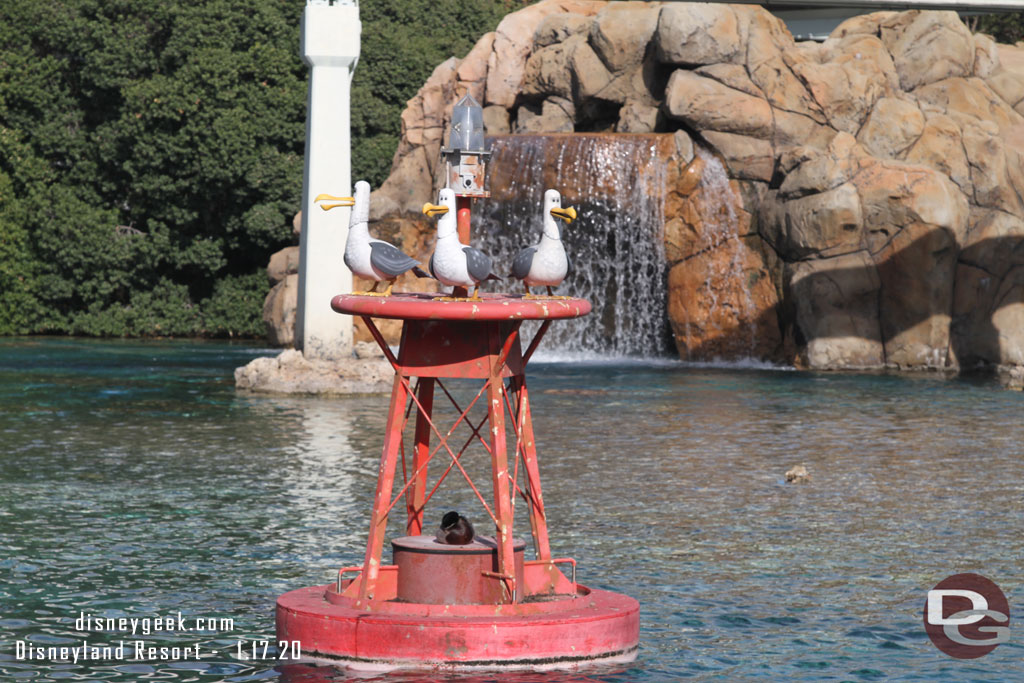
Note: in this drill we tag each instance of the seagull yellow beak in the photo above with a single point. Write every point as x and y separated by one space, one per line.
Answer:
434 209
342 201
568 214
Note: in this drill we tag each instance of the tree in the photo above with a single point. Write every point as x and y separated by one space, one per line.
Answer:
151 151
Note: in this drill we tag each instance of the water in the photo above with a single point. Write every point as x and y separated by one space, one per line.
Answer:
135 482
615 248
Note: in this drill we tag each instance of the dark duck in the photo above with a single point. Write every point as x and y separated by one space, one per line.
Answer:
455 530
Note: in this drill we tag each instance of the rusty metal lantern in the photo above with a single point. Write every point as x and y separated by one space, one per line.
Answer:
466 155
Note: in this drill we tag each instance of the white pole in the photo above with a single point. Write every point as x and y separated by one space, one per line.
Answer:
330 45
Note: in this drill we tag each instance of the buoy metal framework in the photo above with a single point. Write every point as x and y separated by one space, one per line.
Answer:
480 605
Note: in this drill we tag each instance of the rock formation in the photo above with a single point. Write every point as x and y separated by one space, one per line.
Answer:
874 197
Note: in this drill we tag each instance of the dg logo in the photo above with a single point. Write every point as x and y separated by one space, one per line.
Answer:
967 616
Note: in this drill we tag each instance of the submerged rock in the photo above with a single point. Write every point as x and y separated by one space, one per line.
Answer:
291 373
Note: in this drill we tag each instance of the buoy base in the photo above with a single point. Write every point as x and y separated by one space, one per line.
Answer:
562 633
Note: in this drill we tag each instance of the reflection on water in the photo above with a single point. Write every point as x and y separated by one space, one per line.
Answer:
135 482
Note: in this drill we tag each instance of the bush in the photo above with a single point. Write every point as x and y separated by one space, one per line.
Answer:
151 151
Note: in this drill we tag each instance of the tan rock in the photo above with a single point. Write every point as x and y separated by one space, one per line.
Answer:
823 170
968 101
279 311
994 242
836 311
1008 318
282 263
621 31
549 117
706 104
941 147
989 177
986 56
637 117
496 120
410 184
733 76
513 41
297 224
893 125
473 67
548 70
862 24
916 269
799 130
895 194
556 28
747 157
822 225
291 373
933 46
697 33
855 73
590 75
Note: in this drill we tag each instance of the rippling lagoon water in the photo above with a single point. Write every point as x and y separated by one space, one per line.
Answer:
135 482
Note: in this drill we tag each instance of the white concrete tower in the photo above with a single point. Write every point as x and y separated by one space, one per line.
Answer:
330 45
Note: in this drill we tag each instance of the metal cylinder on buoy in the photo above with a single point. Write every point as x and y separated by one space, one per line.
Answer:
435 573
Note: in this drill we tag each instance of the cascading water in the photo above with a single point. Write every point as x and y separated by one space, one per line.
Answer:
615 247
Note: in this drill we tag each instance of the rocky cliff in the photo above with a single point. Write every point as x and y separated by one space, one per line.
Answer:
857 203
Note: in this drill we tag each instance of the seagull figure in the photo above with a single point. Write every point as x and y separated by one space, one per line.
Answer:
545 263
369 258
454 263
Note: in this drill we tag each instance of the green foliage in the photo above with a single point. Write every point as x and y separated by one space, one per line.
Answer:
151 150
1005 27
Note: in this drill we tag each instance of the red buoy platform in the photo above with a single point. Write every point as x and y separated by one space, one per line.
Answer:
483 604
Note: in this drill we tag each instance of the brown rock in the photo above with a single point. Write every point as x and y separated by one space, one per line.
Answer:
297 224
283 263
706 104
733 76
822 171
279 311
697 33
892 126
621 31
933 46
836 310
862 24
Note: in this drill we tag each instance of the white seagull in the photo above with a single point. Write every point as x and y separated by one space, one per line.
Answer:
369 258
454 263
545 263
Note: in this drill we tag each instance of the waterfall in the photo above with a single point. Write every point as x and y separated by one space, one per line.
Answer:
615 247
